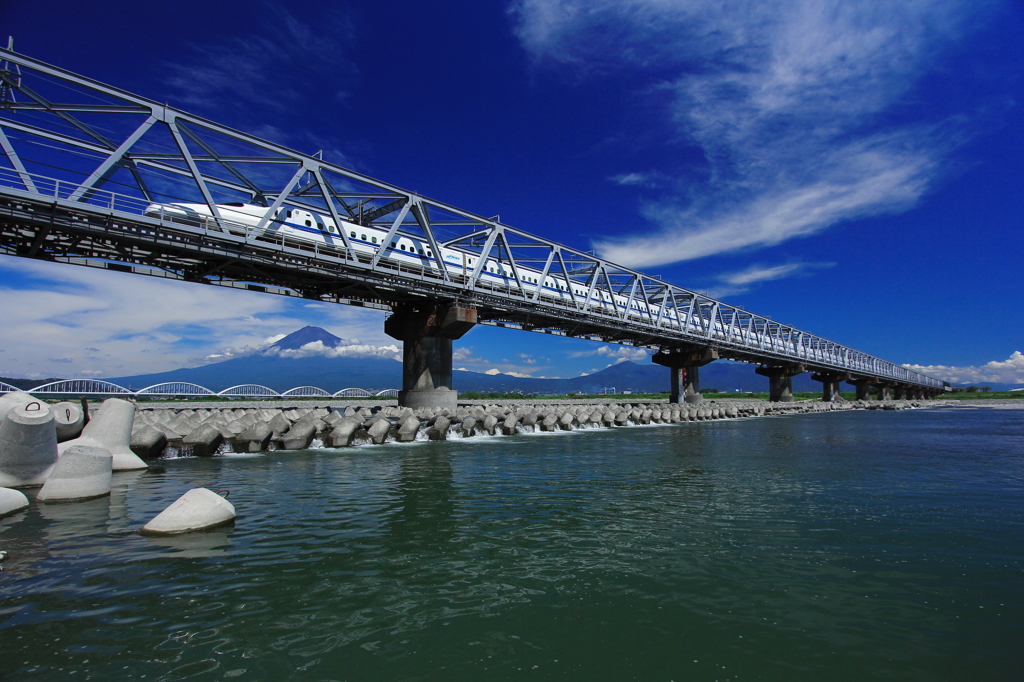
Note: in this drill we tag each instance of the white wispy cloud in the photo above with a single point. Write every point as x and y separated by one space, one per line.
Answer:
620 353
651 179
318 349
243 81
1008 371
786 100
73 322
733 283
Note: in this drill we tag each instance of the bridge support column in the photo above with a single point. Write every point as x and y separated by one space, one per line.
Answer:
780 381
885 391
899 392
685 365
863 385
830 384
426 331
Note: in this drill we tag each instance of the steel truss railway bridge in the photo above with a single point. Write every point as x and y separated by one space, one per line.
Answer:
84 160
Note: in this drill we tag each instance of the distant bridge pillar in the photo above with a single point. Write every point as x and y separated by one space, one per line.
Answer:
830 384
885 391
899 392
426 331
863 385
685 365
780 381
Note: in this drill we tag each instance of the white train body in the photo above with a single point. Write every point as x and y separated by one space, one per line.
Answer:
301 224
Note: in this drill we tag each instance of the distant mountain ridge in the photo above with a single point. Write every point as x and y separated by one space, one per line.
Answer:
281 371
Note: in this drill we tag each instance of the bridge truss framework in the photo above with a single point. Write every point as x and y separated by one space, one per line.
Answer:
85 159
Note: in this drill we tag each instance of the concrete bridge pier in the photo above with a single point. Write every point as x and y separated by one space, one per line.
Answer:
885 391
863 386
780 381
830 384
426 331
685 365
900 392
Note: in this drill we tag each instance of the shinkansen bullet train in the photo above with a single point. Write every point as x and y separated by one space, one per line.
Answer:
314 227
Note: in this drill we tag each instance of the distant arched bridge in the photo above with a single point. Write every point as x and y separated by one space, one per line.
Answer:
179 389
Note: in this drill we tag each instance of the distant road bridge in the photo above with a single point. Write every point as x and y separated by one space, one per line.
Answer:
100 177
182 389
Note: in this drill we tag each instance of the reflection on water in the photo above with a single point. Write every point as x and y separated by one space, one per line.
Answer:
842 546
210 543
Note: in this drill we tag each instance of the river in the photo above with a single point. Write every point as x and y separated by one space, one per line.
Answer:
838 546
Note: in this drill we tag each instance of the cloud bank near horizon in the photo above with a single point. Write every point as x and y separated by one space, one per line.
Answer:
797 108
1008 371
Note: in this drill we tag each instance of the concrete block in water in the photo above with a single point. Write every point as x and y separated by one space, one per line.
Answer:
468 426
81 473
508 427
11 501
490 422
198 509
279 424
148 442
378 430
299 436
439 429
407 429
344 430
28 445
111 429
256 438
204 440
566 421
68 419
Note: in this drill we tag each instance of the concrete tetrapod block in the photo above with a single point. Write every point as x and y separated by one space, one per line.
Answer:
11 501
148 442
204 440
379 430
111 429
68 419
299 436
28 445
408 428
256 438
81 473
198 509
9 401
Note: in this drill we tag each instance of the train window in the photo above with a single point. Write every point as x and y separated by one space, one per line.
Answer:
430 253
394 244
402 247
420 251
352 234
374 239
289 214
363 237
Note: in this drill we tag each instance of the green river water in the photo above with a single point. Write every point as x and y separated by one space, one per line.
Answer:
837 546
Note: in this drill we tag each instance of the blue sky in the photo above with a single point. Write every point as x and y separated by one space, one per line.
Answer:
852 168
